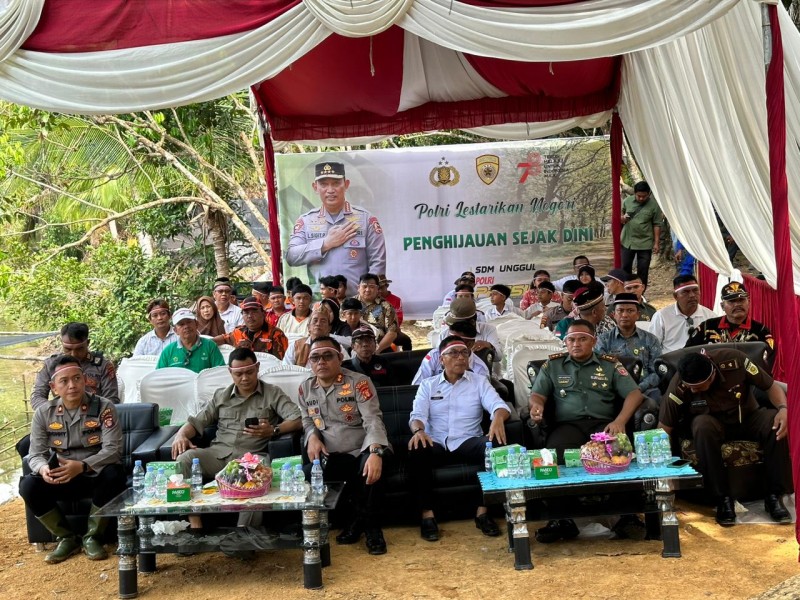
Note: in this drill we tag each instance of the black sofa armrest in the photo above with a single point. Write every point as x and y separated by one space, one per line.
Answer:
646 416
285 445
150 449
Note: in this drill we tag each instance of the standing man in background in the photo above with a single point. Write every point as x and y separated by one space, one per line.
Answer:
223 297
641 230
337 237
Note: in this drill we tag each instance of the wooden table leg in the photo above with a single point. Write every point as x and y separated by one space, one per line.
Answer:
312 564
126 550
518 529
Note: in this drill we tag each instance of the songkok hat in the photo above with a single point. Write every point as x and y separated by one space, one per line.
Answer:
618 274
625 298
587 297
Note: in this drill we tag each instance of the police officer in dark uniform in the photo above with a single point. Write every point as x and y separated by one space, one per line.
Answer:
736 325
75 452
101 375
583 385
364 359
710 399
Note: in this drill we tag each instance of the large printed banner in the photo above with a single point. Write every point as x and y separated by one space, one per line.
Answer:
502 210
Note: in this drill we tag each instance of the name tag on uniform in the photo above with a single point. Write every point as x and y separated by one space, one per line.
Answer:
564 380
437 397
699 403
315 235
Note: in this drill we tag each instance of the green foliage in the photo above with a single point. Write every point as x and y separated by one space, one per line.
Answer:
109 290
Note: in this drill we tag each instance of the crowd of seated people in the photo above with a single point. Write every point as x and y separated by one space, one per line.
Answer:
342 339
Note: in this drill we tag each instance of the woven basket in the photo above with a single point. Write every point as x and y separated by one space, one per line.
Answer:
596 467
228 491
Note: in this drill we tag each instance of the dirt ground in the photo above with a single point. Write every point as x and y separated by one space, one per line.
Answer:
737 563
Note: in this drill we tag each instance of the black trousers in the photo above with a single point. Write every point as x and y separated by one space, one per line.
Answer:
573 434
422 462
709 433
643 258
101 488
358 500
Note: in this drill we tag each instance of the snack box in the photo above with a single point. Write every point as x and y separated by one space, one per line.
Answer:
277 465
170 468
545 472
572 457
500 459
650 434
537 456
179 492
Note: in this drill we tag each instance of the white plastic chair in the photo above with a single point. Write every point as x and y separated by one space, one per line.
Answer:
209 381
438 316
172 387
522 355
225 350
286 377
130 373
267 360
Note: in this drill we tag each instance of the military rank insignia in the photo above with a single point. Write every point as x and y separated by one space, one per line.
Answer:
55 425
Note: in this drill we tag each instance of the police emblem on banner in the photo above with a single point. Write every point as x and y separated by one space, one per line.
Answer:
487 166
444 174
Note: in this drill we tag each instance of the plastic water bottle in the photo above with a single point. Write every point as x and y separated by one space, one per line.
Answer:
150 483
512 462
197 478
287 481
138 481
656 452
299 482
526 460
161 485
317 485
666 448
642 451
487 457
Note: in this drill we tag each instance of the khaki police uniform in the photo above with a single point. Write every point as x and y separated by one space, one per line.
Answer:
584 395
365 253
228 411
101 379
727 411
93 435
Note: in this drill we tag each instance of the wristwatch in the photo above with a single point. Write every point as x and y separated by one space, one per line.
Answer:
276 431
85 467
379 451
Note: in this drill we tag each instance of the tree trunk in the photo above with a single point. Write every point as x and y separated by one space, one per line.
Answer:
217 227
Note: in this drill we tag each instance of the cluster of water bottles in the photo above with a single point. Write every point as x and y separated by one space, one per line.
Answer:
294 482
152 484
518 464
656 452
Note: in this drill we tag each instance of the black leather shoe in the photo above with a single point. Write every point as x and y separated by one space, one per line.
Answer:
773 504
429 530
375 542
351 534
487 526
557 530
726 513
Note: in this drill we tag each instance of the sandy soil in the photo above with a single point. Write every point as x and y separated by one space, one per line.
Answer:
737 563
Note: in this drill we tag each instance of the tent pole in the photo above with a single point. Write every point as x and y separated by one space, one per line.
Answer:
616 194
779 191
272 196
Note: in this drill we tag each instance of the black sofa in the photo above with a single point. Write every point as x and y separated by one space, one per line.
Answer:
141 438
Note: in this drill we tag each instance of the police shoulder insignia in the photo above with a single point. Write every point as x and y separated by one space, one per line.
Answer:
750 367
363 389
675 399
376 226
298 225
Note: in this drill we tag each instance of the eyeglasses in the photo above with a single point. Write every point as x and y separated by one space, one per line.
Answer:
457 353
324 356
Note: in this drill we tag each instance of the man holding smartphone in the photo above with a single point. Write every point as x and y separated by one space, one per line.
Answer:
247 414
641 230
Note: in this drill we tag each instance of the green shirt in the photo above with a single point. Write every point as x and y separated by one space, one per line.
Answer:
582 390
637 234
203 355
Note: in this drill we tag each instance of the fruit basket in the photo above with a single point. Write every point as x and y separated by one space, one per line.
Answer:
606 454
244 477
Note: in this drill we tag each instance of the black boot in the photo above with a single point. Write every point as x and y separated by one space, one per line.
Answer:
773 504
726 513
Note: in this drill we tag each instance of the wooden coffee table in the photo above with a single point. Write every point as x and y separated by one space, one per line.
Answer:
649 490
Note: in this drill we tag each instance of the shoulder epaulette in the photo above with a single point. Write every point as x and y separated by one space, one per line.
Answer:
557 355
609 358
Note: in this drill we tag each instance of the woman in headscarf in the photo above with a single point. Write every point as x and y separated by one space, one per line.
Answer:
209 322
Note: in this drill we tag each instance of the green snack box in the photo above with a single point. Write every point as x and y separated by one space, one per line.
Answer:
277 465
170 468
572 457
500 459
182 493
537 456
548 472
